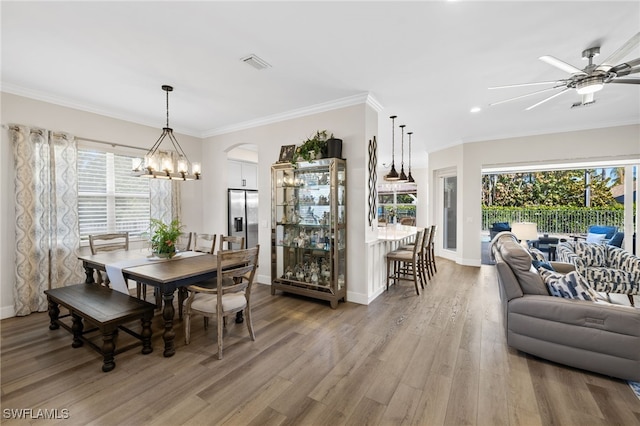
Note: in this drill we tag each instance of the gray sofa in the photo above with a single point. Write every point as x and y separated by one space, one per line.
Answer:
594 336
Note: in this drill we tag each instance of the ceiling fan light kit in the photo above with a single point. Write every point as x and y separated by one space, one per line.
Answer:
589 80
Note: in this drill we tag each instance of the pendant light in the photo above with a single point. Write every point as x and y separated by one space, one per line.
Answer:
403 176
393 175
410 178
162 165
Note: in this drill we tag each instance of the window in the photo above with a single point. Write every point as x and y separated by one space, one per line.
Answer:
397 202
109 199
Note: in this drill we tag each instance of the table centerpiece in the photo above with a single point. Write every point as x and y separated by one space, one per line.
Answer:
164 237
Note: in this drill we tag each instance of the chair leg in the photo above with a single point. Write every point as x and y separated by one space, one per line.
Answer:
247 314
415 277
433 260
388 272
187 328
631 299
220 330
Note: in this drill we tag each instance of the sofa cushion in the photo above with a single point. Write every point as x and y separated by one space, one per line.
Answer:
596 238
603 229
617 239
592 254
519 259
501 226
569 286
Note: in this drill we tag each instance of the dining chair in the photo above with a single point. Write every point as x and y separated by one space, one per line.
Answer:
112 242
184 241
236 274
231 242
204 243
406 264
107 242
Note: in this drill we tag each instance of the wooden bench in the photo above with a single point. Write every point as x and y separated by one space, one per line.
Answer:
108 310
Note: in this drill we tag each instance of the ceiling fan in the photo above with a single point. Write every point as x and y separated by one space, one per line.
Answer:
588 80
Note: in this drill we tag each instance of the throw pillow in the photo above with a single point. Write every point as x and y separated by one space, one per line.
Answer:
542 264
536 254
595 238
569 286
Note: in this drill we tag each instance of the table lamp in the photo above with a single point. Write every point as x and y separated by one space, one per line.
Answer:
525 231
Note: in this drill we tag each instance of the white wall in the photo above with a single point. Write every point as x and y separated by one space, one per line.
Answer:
353 124
20 110
604 144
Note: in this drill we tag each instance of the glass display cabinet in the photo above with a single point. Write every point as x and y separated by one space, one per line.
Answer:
308 229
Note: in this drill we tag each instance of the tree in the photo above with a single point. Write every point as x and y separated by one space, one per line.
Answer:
548 188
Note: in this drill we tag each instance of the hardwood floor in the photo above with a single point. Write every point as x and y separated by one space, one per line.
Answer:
438 358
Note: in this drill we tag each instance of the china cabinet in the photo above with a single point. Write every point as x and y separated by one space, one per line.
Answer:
309 226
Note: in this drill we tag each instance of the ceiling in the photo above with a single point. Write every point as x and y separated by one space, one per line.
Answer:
428 63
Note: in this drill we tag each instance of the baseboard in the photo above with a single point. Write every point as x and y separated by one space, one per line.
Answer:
264 279
7 312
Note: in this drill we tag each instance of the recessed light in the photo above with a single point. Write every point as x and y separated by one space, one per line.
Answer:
475 109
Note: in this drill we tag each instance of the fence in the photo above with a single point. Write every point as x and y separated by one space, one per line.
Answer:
554 221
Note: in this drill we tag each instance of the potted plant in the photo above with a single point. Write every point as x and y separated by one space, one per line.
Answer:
313 148
164 237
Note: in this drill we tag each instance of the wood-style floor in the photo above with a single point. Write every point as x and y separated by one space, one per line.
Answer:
435 359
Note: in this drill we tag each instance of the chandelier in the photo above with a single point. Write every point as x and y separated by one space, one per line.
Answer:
393 174
165 164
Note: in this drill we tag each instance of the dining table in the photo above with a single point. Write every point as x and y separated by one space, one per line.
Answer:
166 274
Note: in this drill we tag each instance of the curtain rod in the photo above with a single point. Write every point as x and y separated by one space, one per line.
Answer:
113 144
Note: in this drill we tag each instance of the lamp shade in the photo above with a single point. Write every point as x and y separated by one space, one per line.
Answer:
525 231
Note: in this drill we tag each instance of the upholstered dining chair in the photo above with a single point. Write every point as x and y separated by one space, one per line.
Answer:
406 264
203 243
236 273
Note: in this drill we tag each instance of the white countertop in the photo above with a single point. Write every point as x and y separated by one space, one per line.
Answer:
396 232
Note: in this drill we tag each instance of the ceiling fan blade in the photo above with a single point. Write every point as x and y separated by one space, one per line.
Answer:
561 64
527 84
547 99
627 67
528 94
616 56
626 80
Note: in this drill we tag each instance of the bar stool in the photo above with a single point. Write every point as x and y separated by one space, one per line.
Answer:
406 264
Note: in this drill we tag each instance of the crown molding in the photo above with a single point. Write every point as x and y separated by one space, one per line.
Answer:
64 102
362 98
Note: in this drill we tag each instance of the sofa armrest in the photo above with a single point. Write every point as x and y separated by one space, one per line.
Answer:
622 320
563 267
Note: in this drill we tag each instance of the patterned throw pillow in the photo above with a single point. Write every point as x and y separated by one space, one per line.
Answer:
542 264
569 286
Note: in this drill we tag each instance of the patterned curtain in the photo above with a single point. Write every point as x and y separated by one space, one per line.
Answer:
47 234
165 198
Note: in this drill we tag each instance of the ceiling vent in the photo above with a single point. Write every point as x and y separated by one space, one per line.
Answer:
256 62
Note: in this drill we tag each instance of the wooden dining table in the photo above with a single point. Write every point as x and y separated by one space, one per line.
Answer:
167 275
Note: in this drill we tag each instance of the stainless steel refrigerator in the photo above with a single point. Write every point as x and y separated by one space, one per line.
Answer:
243 215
